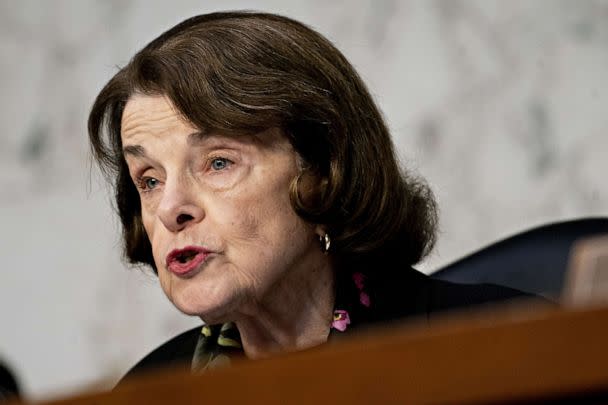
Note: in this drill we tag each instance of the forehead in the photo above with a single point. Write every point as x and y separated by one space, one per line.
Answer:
154 116
151 115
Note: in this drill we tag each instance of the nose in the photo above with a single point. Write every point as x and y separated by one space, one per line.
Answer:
179 207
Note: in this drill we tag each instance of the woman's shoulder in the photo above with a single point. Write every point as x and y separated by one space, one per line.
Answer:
408 292
446 295
176 353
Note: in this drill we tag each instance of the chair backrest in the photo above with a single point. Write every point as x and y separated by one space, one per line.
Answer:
533 261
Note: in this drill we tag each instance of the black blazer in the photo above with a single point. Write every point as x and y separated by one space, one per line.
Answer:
394 297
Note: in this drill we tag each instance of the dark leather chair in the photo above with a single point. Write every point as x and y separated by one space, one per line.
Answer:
533 261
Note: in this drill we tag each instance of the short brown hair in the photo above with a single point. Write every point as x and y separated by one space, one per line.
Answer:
243 72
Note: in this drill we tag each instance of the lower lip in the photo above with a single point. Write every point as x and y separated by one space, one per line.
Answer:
183 269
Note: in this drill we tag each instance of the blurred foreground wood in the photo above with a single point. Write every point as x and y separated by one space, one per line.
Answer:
503 356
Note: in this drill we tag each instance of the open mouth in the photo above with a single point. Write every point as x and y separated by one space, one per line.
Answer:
185 257
186 260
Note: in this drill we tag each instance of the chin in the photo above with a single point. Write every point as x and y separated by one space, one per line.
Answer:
188 308
211 309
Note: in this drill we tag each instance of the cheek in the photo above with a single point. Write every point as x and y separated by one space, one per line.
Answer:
150 227
262 212
268 224
148 207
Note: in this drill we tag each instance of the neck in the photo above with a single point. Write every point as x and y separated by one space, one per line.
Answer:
295 316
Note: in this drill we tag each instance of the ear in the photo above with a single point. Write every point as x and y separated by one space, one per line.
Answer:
320 230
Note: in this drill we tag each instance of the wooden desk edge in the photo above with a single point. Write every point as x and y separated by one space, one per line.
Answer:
495 355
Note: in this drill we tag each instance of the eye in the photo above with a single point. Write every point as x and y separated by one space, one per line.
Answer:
220 163
151 182
147 183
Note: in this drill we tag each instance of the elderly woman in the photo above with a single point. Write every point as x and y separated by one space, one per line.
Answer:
256 176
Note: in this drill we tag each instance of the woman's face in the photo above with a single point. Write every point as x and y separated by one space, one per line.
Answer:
216 209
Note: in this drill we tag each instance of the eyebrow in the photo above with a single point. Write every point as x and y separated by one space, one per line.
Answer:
134 150
194 139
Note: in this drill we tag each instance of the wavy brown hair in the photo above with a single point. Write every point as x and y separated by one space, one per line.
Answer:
244 72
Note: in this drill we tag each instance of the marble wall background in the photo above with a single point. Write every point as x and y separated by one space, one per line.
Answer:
500 105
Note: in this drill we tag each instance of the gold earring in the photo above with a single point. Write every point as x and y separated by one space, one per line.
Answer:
325 242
